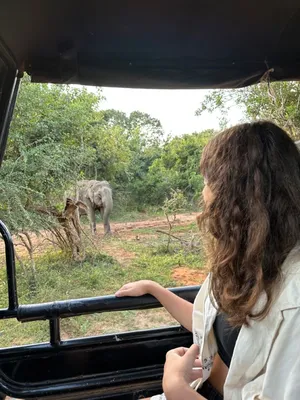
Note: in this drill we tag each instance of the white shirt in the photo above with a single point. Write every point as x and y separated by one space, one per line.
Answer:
266 360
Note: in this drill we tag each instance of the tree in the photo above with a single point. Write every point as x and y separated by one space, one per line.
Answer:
136 141
111 118
177 167
50 114
149 129
44 153
277 101
58 135
124 145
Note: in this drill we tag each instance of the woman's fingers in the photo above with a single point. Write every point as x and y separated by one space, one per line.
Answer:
197 363
192 353
124 290
196 374
179 351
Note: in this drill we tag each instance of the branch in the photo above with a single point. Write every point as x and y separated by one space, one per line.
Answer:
170 235
52 211
51 241
24 242
21 263
29 239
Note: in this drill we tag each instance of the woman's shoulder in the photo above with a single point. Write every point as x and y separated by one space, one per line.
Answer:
289 294
291 264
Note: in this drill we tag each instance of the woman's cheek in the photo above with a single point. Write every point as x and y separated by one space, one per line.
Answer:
207 194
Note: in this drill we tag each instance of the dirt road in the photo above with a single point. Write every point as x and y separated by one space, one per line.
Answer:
123 230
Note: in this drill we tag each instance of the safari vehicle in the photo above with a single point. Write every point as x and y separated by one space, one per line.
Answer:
157 44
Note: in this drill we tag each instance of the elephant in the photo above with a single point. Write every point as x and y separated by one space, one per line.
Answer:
96 195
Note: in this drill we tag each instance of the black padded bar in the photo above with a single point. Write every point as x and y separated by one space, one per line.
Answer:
7 105
54 324
71 308
11 273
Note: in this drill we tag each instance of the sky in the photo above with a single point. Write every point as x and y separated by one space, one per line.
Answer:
174 108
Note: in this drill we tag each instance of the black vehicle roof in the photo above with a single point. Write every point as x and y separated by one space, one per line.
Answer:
157 44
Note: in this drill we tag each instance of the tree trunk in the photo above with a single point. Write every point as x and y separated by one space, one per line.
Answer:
69 237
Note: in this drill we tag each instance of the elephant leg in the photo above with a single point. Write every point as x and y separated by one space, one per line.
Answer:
92 219
105 215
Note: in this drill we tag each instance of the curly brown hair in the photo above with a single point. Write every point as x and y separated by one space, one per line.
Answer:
253 221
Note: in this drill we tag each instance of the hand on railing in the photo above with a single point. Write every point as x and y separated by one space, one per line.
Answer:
135 289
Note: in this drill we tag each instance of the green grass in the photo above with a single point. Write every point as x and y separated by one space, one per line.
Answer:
59 278
135 215
192 227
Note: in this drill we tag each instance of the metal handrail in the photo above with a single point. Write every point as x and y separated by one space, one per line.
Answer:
10 271
72 308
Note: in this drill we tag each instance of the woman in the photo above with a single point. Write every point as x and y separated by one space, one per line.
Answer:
246 317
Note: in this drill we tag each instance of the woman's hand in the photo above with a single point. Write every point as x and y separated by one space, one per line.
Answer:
180 309
182 367
183 364
135 289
